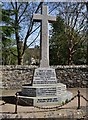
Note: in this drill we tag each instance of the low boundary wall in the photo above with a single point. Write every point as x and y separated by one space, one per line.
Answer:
14 76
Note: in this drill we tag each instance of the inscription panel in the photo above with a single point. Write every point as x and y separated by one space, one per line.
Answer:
46 100
31 92
44 76
46 91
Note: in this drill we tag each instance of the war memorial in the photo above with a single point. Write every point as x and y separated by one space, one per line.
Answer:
45 90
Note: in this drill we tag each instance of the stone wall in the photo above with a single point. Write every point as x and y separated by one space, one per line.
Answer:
13 77
73 76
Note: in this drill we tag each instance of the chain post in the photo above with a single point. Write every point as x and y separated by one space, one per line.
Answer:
17 100
78 100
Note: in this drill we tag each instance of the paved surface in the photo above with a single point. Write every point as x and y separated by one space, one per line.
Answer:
67 111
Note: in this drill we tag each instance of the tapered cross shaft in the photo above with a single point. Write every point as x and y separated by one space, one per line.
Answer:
44 18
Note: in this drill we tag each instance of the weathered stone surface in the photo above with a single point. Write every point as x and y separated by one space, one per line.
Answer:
15 76
73 76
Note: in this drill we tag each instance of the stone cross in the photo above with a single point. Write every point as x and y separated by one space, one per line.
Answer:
44 18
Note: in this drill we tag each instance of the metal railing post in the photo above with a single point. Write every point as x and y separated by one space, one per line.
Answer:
17 99
78 100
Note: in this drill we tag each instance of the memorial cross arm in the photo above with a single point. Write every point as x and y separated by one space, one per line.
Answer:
44 18
37 17
51 18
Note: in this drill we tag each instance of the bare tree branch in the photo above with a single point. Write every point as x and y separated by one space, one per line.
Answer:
77 14
33 40
12 5
21 20
73 13
23 11
80 26
54 8
30 28
20 6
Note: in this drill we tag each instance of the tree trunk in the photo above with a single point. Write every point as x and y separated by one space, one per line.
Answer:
19 43
20 60
20 51
70 55
87 34
70 62
87 47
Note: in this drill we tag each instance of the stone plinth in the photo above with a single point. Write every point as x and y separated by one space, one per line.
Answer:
45 90
44 77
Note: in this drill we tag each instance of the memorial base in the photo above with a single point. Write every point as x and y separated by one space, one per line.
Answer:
45 90
47 95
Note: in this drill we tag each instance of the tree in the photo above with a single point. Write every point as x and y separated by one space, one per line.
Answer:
22 22
74 31
75 22
23 25
58 43
22 15
7 41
